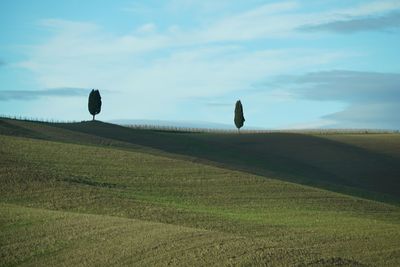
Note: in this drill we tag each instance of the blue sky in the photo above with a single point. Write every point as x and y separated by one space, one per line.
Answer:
293 64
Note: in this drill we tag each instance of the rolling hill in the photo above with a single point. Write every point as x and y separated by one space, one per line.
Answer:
94 193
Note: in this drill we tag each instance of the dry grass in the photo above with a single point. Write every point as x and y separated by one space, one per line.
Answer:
73 204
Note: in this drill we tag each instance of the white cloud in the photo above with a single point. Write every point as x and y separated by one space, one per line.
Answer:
372 8
147 28
154 69
92 58
281 20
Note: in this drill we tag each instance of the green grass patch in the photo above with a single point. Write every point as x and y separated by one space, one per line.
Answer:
69 204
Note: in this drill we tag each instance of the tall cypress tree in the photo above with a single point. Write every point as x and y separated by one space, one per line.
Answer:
239 118
94 103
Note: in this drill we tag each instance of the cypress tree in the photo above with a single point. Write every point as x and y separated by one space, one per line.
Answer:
94 103
239 118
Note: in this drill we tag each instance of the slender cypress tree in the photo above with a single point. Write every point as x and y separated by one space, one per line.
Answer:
239 118
94 103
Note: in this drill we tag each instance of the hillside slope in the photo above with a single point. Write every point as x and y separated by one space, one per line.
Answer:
362 165
50 238
105 201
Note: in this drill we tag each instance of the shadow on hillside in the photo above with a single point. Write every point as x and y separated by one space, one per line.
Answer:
299 158
305 159
8 128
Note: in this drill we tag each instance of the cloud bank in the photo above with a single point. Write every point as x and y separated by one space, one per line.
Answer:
35 94
372 97
370 23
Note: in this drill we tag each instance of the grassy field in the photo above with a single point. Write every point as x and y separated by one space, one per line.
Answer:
100 194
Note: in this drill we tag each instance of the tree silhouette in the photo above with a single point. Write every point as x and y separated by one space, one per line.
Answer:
239 118
94 104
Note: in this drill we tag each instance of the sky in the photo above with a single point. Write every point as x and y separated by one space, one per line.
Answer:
293 64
